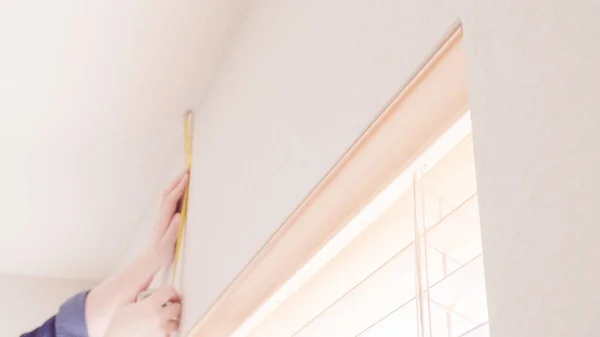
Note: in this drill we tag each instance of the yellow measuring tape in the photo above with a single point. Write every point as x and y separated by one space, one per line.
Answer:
187 144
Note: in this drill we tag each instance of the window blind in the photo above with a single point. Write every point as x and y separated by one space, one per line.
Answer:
416 270
433 99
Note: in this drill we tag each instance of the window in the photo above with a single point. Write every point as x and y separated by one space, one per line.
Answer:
420 235
388 243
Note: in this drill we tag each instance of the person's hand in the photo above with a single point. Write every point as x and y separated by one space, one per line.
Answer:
164 236
124 286
154 316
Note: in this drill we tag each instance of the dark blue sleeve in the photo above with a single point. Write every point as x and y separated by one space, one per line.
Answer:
69 322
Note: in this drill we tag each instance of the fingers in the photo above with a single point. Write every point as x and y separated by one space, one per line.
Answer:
163 295
173 183
171 234
169 317
166 247
170 200
173 196
171 312
169 304
171 326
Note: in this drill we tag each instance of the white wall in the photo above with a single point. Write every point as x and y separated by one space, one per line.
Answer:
92 94
304 78
27 302
535 84
300 84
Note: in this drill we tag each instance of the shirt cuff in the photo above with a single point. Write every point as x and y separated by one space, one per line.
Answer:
70 320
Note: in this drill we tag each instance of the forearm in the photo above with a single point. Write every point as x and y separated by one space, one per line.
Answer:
70 320
89 314
123 287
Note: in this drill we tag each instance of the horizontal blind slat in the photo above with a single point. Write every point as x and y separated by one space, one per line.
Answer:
451 179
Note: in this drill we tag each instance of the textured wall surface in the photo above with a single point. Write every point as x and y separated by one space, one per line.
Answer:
92 94
27 302
305 78
534 88
301 83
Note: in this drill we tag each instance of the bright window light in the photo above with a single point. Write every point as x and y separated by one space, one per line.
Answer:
399 186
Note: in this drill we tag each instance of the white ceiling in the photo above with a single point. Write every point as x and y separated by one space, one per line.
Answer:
92 94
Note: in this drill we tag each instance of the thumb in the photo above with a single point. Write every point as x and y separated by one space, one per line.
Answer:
167 243
171 235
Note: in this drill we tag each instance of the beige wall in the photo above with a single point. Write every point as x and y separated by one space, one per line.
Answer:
535 84
305 78
27 302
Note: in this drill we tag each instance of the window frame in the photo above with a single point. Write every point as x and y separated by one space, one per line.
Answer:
426 107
